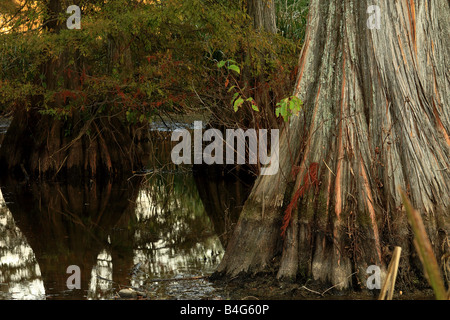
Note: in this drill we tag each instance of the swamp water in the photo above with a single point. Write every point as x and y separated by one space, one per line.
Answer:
146 232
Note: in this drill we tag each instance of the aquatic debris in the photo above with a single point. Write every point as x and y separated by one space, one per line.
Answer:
128 294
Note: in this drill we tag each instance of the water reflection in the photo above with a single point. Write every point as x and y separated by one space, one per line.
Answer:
173 237
223 191
165 224
99 289
66 225
20 275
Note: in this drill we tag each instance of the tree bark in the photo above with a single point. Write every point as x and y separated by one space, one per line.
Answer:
263 14
376 118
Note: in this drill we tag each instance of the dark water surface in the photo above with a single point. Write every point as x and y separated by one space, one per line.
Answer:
169 223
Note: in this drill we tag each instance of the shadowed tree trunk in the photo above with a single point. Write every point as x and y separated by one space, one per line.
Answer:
376 118
263 15
264 19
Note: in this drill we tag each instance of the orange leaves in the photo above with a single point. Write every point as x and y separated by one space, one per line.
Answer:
120 93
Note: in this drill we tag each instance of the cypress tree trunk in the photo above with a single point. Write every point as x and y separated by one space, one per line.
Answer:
376 118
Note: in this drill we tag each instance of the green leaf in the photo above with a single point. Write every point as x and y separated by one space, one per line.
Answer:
231 88
288 107
292 105
284 112
235 68
255 107
296 104
238 103
234 97
220 64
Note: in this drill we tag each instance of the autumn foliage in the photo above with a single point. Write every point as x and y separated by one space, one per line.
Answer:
137 59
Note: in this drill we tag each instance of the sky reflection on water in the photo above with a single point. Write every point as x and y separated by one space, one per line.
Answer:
20 275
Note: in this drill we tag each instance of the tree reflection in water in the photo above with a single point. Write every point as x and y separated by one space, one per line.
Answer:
223 190
159 225
67 225
20 275
156 223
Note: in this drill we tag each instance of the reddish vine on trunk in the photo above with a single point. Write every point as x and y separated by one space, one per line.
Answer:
309 180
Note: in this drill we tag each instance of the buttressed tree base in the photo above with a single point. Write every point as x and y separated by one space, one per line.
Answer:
375 118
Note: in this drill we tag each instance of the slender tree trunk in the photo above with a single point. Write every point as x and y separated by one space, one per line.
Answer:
376 118
263 14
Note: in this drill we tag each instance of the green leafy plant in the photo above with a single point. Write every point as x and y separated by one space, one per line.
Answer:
238 99
146 58
230 64
288 107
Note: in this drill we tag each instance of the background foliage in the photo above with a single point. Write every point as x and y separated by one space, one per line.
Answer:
140 59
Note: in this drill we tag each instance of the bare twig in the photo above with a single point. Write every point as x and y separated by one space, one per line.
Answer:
338 284
316 292
322 294
329 168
